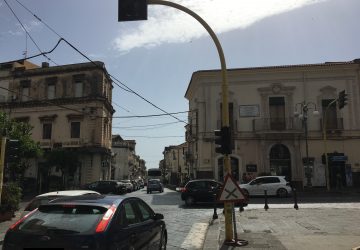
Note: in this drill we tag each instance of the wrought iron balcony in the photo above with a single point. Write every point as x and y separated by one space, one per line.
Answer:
269 125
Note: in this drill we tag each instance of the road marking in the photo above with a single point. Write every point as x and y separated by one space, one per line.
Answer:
195 238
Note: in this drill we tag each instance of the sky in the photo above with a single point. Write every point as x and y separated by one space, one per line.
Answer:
157 57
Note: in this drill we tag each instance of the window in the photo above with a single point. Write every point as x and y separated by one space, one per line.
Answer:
78 87
47 127
331 116
271 180
25 90
145 211
75 129
51 91
277 113
130 214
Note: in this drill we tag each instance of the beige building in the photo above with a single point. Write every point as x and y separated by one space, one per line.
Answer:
69 107
268 107
175 163
126 164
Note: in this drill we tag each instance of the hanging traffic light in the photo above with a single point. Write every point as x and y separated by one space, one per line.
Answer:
342 100
223 141
11 150
132 10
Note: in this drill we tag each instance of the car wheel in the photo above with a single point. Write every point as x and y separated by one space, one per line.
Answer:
245 192
189 201
282 192
163 241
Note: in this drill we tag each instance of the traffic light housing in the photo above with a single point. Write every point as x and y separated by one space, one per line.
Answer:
223 141
11 150
342 100
132 10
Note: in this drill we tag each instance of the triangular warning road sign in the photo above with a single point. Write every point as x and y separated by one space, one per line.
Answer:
231 191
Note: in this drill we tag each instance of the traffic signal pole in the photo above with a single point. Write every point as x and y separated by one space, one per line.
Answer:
225 106
133 10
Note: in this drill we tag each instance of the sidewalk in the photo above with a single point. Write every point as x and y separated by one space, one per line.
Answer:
4 226
287 228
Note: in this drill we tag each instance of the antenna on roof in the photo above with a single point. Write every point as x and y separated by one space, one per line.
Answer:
25 51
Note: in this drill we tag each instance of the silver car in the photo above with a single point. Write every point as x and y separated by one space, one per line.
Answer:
274 185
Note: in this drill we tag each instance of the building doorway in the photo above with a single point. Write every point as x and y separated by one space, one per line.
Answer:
234 162
280 161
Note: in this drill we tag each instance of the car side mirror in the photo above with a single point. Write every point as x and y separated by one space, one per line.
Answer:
158 217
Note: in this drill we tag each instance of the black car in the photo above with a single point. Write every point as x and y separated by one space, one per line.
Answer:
89 222
107 187
202 190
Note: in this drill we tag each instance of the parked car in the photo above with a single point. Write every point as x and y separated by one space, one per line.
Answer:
129 185
89 222
154 185
47 197
275 185
201 190
107 187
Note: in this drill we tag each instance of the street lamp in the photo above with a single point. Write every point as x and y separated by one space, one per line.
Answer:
301 111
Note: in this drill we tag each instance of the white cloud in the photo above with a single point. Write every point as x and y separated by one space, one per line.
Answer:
168 25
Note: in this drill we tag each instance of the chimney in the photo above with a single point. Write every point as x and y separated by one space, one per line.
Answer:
44 65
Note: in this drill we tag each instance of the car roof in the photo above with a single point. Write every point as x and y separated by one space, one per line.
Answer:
68 193
203 180
101 200
272 176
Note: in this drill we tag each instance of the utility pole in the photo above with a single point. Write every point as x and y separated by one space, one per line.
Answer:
132 10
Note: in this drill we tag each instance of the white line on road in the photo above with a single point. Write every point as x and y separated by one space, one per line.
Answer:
196 236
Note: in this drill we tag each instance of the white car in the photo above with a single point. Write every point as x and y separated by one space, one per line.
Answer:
275 185
45 198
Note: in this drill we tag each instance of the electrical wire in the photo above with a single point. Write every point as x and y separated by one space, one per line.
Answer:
31 38
117 82
145 126
145 116
51 103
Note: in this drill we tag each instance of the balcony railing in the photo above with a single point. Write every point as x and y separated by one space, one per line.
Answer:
285 124
333 125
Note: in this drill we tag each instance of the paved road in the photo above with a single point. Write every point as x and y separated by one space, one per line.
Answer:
186 226
320 219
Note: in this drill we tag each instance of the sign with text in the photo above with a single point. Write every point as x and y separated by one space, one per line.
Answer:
249 110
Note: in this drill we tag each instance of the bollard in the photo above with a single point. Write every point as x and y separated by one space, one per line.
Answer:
215 216
295 199
266 207
241 208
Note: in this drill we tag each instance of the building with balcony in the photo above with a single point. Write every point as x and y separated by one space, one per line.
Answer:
272 131
176 164
69 107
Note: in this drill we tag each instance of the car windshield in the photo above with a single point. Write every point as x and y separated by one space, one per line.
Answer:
153 182
63 219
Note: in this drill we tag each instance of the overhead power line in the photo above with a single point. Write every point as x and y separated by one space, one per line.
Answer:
32 39
125 87
145 116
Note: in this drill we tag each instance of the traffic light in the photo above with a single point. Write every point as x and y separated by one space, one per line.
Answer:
132 10
11 150
223 141
342 100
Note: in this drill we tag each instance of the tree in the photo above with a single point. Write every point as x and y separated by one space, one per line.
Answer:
64 160
28 148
